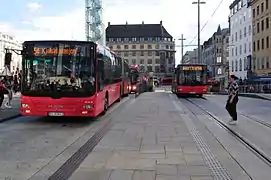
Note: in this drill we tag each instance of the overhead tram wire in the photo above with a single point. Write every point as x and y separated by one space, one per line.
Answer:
205 24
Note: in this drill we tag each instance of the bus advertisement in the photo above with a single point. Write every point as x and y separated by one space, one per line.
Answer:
69 78
190 79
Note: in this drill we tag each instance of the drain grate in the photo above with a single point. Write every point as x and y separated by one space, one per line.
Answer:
67 169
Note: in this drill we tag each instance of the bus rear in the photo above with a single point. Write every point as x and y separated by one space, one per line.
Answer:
68 78
190 80
134 75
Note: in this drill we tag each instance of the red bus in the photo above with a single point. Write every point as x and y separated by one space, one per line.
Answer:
126 83
190 79
134 75
68 78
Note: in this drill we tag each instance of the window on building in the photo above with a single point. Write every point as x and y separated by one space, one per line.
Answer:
141 46
126 47
240 34
258 10
263 63
262 8
236 36
149 68
262 43
254 46
253 13
133 53
258 27
157 69
236 51
157 61
149 46
267 62
249 30
245 63
232 66
141 61
267 23
266 4
134 61
267 42
249 47
126 54
236 65
118 47
240 50
245 31
133 46
149 53
258 45
262 25
149 61
240 65
157 46
245 48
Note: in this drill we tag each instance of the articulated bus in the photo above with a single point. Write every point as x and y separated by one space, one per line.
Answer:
69 78
190 79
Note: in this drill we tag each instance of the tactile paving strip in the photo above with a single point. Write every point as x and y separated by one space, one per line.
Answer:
217 170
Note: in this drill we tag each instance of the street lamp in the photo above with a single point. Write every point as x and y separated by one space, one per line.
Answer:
199 50
182 39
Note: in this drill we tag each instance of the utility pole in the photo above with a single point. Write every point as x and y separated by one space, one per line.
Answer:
182 45
199 50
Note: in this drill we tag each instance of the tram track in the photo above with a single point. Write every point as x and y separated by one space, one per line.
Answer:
257 151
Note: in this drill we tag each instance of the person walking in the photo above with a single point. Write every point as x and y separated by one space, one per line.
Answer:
232 99
2 92
9 88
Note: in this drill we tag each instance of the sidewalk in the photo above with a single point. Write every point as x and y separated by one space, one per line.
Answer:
252 95
7 114
149 141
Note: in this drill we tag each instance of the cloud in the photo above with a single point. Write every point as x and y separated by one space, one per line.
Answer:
179 17
34 6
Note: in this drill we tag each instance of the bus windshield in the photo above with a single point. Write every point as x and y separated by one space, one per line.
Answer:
192 77
133 76
58 70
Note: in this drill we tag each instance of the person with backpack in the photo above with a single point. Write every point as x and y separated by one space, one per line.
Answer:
232 99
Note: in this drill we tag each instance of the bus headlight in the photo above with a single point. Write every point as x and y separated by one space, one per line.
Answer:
24 105
134 87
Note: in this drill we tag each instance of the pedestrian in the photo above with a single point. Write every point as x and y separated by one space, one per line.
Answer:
10 95
2 92
232 99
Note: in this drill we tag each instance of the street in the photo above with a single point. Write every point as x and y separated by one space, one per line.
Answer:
155 135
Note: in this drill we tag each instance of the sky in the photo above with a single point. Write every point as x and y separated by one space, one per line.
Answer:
64 19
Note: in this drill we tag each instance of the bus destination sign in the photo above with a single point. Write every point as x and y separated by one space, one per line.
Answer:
192 68
54 51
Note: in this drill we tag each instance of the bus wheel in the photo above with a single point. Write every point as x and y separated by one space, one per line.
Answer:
200 95
105 105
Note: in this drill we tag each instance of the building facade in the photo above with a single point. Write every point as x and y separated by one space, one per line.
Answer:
241 38
9 42
215 53
261 15
149 46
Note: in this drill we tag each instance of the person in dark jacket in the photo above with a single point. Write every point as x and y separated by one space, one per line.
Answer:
232 99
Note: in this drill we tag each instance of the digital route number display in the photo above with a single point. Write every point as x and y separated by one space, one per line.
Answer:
192 68
54 51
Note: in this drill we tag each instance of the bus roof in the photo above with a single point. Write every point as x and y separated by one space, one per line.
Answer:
58 41
191 65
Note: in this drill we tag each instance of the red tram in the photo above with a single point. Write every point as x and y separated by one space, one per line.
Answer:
190 79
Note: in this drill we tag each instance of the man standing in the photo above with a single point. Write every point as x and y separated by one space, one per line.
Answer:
232 99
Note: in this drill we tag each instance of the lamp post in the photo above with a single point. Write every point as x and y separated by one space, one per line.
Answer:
199 50
182 45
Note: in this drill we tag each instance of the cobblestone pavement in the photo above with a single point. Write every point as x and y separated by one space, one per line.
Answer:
149 141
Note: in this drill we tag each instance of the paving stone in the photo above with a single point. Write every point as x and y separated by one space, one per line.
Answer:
194 170
121 175
96 159
144 175
173 148
152 149
191 150
122 162
166 169
177 177
202 178
90 174
194 159
172 161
